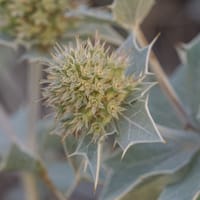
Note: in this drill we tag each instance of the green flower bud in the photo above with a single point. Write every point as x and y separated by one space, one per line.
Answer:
35 22
88 84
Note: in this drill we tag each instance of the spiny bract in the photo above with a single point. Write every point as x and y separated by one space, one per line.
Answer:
87 87
38 22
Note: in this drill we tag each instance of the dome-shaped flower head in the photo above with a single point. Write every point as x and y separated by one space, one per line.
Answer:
87 87
36 22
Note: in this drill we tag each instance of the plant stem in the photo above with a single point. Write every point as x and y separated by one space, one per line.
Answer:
33 103
30 186
33 115
45 177
165 84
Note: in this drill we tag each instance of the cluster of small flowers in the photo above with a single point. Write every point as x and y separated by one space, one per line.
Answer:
87 87
39 22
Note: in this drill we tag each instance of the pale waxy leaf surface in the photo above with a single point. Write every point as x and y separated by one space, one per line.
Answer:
131 12
88 149
147 160
138 58
186 189
135 124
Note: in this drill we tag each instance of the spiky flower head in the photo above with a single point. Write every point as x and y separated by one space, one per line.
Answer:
39 22
87 87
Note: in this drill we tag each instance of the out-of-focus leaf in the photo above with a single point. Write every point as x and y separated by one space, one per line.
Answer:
19 160
7 139
34 56
7 58
91 15
131 12
61 174
149 190
143 161
17 155
186 79
186 82
105 32
188 187
5 145
161 110
7 42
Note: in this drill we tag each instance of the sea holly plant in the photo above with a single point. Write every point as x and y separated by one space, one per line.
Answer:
160 173
39 25
96 94
116 127
36 26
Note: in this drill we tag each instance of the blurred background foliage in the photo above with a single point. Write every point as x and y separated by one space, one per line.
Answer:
177 21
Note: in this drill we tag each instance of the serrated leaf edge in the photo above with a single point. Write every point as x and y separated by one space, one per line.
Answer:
155 127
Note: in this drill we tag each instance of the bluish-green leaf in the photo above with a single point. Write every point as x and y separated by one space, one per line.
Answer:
61 174
135 125
161 110
105 32
149 190
143 161
20 160
6 41
186 80
138 58
131 12
17 155
187 188
94 15
88 149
